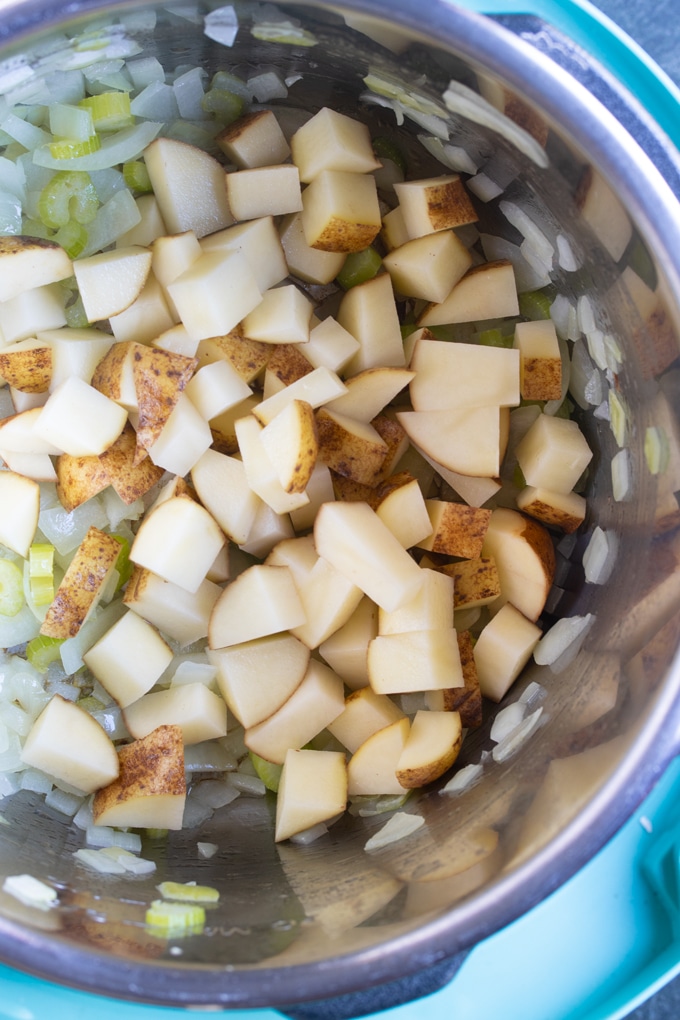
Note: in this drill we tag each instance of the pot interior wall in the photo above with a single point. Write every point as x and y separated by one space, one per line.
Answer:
286 905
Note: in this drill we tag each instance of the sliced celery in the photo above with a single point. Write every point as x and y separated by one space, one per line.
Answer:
268 772
173 920
123 564
535 304
41 560
136 176
71 148
494 338
72 237
41 651
359 267
71 122
11 588
42 591
69 195
188 893
657 450
110 110
227 106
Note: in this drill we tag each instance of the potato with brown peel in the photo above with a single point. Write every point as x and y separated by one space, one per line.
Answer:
130 477
525 559
466 700
150 790
432 746
82 584
349 447
457 530
113 374
27 365
29 262
79 479
159 378
248 357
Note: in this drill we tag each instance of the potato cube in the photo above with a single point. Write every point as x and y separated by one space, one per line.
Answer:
27 365
416 660
485 292
457 530
369 313
364 713
180 614
129 658
346 650
32 312
255 139
19 509
340 211
351 448
215 388
565 510
312 789
330 345
310 264
503 649
428 267
540 360
258 240
178 541
199 713
332 141
553 454
264 191
80 420
282 317
435 203
430 609
82 585
262 600
215 293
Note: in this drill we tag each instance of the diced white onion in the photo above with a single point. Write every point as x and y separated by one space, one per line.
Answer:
209 756
221 25
620 476
189 92
398 827
522 221
214 794
114 218
119 147
207 850
515 740
562 642
532 695
484 188
310 835
156 102
251 786
97 861
466 103
463 780
65 803
507 721
566 258
585 314
618 417
83 816
31 891
596 347
195 814
67 530
128 860
267 85
600 555
36 781
455 157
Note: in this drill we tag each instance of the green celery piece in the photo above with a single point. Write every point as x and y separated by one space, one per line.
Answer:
11 588
69 195
41 651
173 920
110 110
268 772
494 338
535 304
136 176
226 106
71 148
359 267
72 237
187 893
123 564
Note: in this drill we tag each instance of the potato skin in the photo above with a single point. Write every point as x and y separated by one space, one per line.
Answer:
81 583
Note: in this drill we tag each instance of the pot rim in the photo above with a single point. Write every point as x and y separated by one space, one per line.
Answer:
656 212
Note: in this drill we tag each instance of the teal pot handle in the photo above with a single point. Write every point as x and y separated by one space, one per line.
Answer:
613 48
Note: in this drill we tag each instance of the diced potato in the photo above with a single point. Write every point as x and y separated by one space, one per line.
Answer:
466 700
75 352
431 609
553 454
172 255
372 768
312 789
264 191
286 365
353 538
503 649
113 375
431 748
416 660
349 447
346 651
258 240
308 263
179 172
370 391
18 434
222 486
215 388
27 365
394 232
215 293
255 139
319 490
269 528
603 212
394 436
340 211
292 445
257 677
248 357
565 510
67 743
364 713
540 360
485 292
475 581
330 345
182 615
82 585
315 388
457 530
79 420
110 281
159 378
200 714
332 141
466 441
282 317
525 559
428 267
329 600
434 203
129 659
453 376
183 439
178 541
146 318
19 509
149 227
262 600
32 312
312 706
28 262
404 511
150 791
261 473
223 427
368 312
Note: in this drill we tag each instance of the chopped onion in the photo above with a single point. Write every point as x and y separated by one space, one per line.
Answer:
221 25
484 188
307 836
207 850
620 469
118 148
463 780
83 817
63 802
618 417
67 530
31 891
466 103
585 382
566 635
251 786
398 827
214 793
507 721
533 694
266 86
566 258
156 102
114 218
195 814
105 864
453 156
129 861
596 347
189 92
515 740
599 556
36 781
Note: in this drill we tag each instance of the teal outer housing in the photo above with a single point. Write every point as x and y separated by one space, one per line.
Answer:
610 937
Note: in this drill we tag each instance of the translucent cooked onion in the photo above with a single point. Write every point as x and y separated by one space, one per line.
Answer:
466 103
600 555
463 780
118 148
511 744
507 721
307 836
561 643
399 826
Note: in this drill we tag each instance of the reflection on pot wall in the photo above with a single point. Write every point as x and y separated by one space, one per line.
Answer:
578 258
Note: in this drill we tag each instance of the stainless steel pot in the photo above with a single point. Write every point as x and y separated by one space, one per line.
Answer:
302 925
